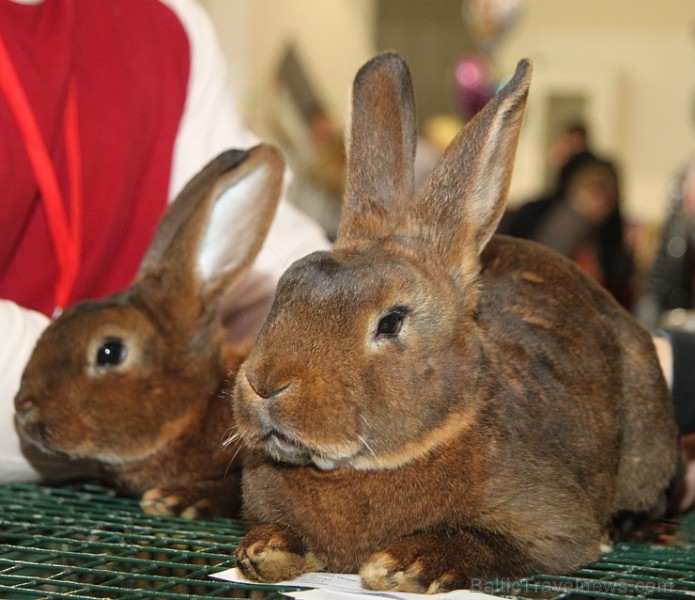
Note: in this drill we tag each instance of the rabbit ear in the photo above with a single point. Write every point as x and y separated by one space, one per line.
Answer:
461 203
381 147
216 226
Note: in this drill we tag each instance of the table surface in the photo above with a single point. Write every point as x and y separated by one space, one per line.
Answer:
82 540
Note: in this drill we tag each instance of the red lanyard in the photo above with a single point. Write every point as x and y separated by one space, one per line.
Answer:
66 236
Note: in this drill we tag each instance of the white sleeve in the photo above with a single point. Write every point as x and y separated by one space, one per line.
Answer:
211 124
20 329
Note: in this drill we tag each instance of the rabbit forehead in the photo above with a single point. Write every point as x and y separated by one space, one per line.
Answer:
103 318
68 339
375 278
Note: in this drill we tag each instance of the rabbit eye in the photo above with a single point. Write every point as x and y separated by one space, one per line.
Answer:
111 353
390 324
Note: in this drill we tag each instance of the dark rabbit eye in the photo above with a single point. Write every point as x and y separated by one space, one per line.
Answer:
390 324
111 353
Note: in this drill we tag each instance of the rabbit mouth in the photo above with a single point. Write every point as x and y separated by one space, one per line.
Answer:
36 434
284 449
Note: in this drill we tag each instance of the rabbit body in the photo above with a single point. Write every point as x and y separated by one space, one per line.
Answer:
135 384
428 403
565 424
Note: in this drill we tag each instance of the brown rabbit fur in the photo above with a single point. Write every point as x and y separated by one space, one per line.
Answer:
136 382
428 404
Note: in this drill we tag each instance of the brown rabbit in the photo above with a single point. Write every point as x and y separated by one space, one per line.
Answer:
428 404
136 382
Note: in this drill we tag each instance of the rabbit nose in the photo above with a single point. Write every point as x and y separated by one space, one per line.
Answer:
23 403
263 387
25 412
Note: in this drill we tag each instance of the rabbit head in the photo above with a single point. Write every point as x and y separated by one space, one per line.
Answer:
373 339
119 380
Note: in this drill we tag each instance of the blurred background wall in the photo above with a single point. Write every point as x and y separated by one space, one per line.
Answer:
625 67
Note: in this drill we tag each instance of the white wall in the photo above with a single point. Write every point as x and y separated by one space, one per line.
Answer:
334 39
638 59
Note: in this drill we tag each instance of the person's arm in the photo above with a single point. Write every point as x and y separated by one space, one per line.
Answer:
676 353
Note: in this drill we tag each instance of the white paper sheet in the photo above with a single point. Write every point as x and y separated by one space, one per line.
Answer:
335 586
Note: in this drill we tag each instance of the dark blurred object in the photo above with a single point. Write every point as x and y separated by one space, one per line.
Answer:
312 143
293 77
669 291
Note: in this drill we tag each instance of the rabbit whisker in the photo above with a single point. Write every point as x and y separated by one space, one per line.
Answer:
231 438
366 445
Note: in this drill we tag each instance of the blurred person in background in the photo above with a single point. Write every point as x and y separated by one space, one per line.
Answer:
581 219
573 139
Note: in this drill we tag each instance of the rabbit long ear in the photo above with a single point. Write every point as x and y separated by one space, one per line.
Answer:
381 148
216 226
460 205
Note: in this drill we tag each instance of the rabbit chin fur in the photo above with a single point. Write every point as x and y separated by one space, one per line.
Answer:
429 403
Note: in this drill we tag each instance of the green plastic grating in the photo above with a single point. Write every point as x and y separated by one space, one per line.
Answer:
82 540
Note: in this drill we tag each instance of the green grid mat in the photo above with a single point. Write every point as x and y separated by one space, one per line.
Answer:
82 540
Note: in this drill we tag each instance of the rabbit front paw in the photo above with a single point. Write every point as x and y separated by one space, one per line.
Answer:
271 554
173 503
409 566
201 500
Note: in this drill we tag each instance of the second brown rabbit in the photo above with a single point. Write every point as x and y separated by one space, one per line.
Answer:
137 383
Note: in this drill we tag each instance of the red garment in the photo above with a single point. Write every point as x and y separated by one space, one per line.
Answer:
130 60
